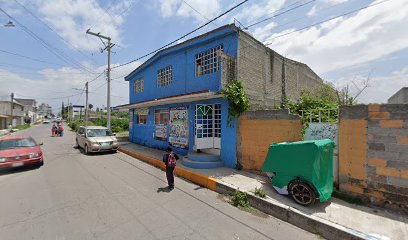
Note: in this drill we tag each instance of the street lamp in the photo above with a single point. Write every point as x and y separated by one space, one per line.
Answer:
9 24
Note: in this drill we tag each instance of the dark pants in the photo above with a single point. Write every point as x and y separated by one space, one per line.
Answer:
170 176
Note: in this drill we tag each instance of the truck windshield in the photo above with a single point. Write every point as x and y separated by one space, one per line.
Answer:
16 143
98 132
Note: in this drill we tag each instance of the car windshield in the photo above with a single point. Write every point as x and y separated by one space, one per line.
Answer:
16 143
98 132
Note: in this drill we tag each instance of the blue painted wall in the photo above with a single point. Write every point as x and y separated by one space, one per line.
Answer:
144 133
182 59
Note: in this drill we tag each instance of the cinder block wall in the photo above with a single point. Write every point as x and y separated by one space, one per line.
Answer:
260 69
256 130
373 154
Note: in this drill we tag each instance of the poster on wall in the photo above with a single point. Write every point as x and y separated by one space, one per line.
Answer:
178 127
131 113
161 132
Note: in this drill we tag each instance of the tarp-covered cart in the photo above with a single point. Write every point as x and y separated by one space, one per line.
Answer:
304 169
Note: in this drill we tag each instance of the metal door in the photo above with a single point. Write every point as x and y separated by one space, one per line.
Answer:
208 126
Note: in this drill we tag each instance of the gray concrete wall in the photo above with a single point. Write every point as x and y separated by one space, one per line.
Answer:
260 69
399 97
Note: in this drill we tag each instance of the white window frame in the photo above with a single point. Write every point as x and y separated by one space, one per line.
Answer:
138 86
208 61
165 76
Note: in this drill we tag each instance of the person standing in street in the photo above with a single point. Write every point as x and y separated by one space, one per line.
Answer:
170 159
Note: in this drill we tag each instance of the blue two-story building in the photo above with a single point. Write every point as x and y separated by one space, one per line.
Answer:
176 100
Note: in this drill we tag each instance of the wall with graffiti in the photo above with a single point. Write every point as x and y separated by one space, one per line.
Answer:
178 127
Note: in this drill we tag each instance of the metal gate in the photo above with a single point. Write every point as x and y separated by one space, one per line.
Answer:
208 126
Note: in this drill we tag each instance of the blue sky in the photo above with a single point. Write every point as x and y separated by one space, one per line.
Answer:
48 56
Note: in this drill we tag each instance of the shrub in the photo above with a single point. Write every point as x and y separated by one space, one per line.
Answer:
260 192
240 199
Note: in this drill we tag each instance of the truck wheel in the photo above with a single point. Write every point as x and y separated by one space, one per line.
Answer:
302 193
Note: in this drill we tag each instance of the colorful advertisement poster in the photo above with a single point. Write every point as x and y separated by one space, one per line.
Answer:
161 132
179 127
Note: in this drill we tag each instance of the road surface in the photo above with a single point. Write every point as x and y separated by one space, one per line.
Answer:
114 196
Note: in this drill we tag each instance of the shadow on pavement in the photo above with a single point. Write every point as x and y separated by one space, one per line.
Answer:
163 189
17 170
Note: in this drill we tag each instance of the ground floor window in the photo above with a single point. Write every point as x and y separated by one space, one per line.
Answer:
141 115
141 119
161 116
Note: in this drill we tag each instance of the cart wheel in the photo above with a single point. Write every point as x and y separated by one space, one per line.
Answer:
302 193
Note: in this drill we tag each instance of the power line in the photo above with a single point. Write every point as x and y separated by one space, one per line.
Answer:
45 44
185 35
279 14
30 58
52 30
327 20
195 10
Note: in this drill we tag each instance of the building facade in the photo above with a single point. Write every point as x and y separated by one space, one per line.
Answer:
30 108
11 113
44 110
400 97
176 99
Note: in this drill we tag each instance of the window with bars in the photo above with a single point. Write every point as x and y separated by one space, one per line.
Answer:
161 116
208 61
138 85
164 76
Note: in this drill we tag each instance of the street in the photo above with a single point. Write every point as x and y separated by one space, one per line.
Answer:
113 196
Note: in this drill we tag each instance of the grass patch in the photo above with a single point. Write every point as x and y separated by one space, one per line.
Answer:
122 134
259 192
24 126
240 199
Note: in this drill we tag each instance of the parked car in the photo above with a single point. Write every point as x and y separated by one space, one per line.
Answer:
96 139
46 121
18 151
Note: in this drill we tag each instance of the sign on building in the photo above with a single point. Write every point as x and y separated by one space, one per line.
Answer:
178 127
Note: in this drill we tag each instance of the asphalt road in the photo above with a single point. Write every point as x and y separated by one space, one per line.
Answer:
114 196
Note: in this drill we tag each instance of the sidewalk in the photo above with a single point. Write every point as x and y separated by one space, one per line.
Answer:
335 219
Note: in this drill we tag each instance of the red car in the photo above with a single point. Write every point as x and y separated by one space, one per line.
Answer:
17 151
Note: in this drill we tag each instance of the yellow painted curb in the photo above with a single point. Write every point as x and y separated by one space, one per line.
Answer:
197 178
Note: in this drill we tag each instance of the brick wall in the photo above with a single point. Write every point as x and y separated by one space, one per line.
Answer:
256 130
373 153
260 69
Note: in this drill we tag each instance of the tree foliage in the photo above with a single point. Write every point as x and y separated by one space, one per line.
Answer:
237 99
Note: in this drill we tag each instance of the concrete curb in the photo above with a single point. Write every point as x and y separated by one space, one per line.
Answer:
288 214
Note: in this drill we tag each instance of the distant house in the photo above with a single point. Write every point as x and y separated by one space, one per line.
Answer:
44 110
30 108
11 114
176 100
399 97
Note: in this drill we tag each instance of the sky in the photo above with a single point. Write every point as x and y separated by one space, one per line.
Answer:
48 56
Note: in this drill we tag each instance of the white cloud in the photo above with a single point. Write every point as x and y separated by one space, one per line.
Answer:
205 8
52 84
380 88
71 19
369 35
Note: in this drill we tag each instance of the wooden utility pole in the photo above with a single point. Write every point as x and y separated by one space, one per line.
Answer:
108 48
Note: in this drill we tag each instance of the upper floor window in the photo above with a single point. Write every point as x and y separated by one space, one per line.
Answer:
138 85
164 76
208 61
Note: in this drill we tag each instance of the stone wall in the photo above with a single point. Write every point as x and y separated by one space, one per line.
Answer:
256 130
373 154
260 68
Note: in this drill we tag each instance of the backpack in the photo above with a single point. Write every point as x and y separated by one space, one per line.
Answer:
171 160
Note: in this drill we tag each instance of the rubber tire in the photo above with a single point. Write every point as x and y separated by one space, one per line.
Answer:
86 149
77 145
304 184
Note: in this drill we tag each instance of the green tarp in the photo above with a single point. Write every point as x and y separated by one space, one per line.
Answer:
308 160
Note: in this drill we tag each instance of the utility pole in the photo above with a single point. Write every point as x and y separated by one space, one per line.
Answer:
12 108
108 48
86 104
68 111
